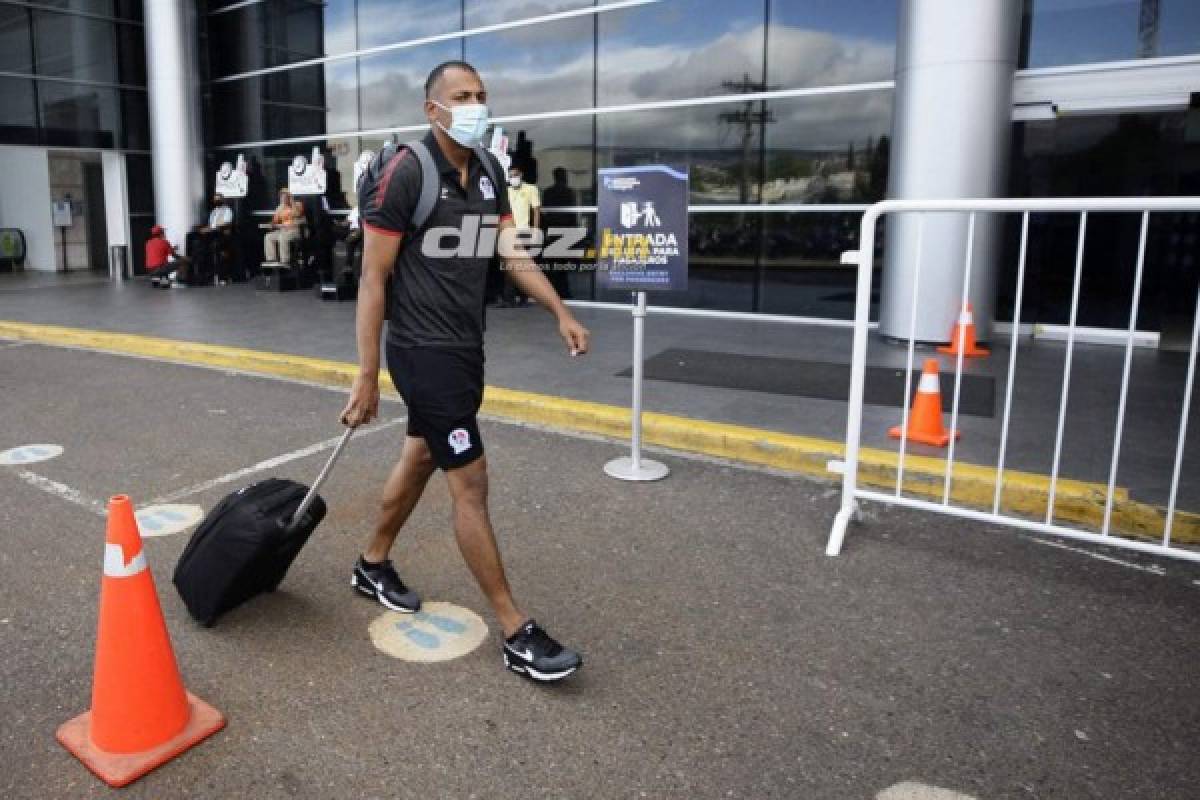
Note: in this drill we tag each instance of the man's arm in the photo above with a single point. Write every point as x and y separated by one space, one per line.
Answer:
529 279
379 254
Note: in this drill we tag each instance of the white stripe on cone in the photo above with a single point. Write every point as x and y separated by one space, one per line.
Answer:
114 562
929 383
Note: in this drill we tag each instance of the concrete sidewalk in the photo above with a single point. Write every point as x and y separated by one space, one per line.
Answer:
524 354
726 657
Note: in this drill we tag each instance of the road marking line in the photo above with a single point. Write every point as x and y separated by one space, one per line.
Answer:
1152 569
63 491
911 790
270 463
973 486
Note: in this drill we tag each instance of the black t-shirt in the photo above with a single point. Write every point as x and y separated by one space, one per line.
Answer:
436 301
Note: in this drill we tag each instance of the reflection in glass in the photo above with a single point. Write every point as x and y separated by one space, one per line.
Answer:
18 124
540 147
131 55
802 273
340 155
828 149
392 84
684 48
16 54
78 115
235 40
75 47
135 120
1119 155
717 144
304 101
382 22
830 42
128 9
279 32
1062 32
294 31
489 12
545 67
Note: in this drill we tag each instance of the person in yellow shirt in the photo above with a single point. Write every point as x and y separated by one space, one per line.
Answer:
526 203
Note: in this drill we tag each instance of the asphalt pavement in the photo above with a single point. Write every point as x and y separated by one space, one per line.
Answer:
726 656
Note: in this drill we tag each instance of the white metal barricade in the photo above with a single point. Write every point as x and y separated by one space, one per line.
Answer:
864 257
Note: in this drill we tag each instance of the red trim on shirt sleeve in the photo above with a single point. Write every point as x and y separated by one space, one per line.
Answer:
504 217
383 231
381 195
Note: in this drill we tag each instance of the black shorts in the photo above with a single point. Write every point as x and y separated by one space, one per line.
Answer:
443 389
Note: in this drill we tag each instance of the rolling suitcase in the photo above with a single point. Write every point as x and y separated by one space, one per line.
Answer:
246 544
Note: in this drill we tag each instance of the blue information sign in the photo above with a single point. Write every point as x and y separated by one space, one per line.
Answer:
642 229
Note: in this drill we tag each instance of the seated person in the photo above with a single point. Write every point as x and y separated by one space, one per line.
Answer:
161 256
217 238
285 229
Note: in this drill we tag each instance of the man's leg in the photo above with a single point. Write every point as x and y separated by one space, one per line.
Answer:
476 540
374 574
400 495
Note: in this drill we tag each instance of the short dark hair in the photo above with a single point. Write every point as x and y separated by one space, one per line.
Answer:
436 73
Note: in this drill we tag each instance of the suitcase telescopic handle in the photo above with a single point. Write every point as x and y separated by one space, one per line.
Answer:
316 487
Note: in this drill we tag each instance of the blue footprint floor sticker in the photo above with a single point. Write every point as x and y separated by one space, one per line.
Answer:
29 454
438 632
164 520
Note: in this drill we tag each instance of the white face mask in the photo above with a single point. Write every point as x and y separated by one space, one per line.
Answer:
467 123
515 181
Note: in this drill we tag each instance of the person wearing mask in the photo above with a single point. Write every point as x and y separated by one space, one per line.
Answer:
526 206
435 353
285 229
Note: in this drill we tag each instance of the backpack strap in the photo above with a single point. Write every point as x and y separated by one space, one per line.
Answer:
430 183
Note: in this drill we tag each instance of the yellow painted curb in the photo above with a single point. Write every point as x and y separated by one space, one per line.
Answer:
1023 493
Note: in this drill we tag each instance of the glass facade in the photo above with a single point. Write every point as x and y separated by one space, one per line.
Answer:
1069 32
73 75
588 64
637 85
1152 154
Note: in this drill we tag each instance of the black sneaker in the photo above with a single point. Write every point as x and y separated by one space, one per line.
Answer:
534 653
381 582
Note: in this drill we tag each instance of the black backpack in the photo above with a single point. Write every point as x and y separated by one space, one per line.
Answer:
428 198
430 185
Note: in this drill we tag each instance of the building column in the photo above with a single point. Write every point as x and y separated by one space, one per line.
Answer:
172 78
950 139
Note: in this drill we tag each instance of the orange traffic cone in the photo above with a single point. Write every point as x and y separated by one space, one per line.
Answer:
963 336
925 418
141 715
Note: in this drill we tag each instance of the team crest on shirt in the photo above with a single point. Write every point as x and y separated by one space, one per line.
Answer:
460 441
485 186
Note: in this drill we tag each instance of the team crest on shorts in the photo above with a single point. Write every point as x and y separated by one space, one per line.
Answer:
459 440
486 188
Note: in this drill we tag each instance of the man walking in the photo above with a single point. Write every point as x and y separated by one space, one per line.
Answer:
435 353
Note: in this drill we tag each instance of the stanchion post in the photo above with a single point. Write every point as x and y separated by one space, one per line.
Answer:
634 467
